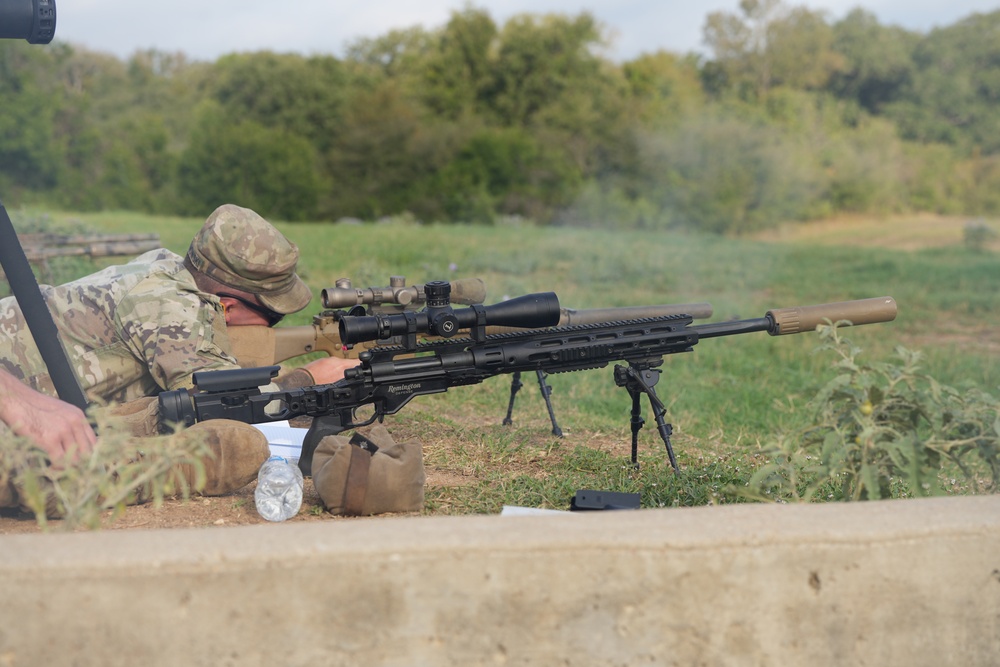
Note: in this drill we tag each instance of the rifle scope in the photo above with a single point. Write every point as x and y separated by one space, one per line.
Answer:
33 20
466 291
532 311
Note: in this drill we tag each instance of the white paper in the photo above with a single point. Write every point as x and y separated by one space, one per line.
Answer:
513 510
284 440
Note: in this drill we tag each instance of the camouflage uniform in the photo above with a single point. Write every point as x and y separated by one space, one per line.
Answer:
130 330
143 327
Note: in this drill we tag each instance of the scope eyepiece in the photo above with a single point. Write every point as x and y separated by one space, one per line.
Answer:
33 20
176 408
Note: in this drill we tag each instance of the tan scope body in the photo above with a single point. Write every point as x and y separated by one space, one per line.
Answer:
465 291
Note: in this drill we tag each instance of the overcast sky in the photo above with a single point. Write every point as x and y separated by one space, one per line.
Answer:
206 29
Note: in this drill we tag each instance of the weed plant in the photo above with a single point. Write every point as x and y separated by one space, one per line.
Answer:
94 490
882 430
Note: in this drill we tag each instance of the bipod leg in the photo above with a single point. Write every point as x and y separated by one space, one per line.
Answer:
637 423
624 378
546 390
515 385
644 382
666 430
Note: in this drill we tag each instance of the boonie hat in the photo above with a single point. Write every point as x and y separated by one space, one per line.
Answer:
239 248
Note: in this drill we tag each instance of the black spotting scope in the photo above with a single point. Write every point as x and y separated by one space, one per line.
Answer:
33 20
531 311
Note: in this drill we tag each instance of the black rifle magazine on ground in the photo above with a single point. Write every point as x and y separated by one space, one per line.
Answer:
604 500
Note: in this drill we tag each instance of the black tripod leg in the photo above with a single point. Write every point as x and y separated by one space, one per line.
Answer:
515 385
546 390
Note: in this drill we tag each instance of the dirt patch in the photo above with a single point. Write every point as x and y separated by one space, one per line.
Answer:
986 340
910 233
236 509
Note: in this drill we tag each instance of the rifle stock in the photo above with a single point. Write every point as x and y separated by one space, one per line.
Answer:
389 377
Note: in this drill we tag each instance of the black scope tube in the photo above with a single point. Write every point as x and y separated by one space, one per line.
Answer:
531 311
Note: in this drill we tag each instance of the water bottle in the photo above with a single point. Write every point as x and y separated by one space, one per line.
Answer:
279 489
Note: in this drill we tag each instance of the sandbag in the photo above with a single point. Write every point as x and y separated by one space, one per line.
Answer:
373 474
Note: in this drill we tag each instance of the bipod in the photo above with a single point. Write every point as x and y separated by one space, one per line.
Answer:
640 381
543 386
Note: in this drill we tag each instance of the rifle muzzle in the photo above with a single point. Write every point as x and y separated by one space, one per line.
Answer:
807 318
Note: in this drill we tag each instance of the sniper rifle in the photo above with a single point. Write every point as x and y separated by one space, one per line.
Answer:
385 384
266 346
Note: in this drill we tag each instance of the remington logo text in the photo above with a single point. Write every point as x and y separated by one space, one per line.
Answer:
404 388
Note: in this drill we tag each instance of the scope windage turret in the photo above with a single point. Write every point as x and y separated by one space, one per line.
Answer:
33 20
532 311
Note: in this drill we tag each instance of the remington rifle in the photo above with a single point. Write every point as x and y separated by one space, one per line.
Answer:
385 383
265 346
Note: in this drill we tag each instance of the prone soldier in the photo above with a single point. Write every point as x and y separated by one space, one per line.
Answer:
134 330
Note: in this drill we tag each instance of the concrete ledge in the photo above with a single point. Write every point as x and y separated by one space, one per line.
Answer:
892 583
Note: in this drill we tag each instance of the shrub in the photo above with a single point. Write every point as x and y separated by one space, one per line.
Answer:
976 235
120 470
881 430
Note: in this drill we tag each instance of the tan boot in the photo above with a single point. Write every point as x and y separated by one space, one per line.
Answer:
140 417
238 449
237 452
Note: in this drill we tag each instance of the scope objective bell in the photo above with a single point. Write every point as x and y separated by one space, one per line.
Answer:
31 20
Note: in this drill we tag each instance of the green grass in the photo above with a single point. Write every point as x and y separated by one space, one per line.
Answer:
724 399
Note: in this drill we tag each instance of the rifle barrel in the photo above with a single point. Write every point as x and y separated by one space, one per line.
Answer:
799 319
572 317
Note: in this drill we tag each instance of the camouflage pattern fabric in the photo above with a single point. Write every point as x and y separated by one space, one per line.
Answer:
240 249
130 331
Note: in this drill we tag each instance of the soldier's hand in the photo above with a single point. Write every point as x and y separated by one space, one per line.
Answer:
329 369
57 427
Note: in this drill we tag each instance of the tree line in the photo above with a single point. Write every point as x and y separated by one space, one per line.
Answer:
791 116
